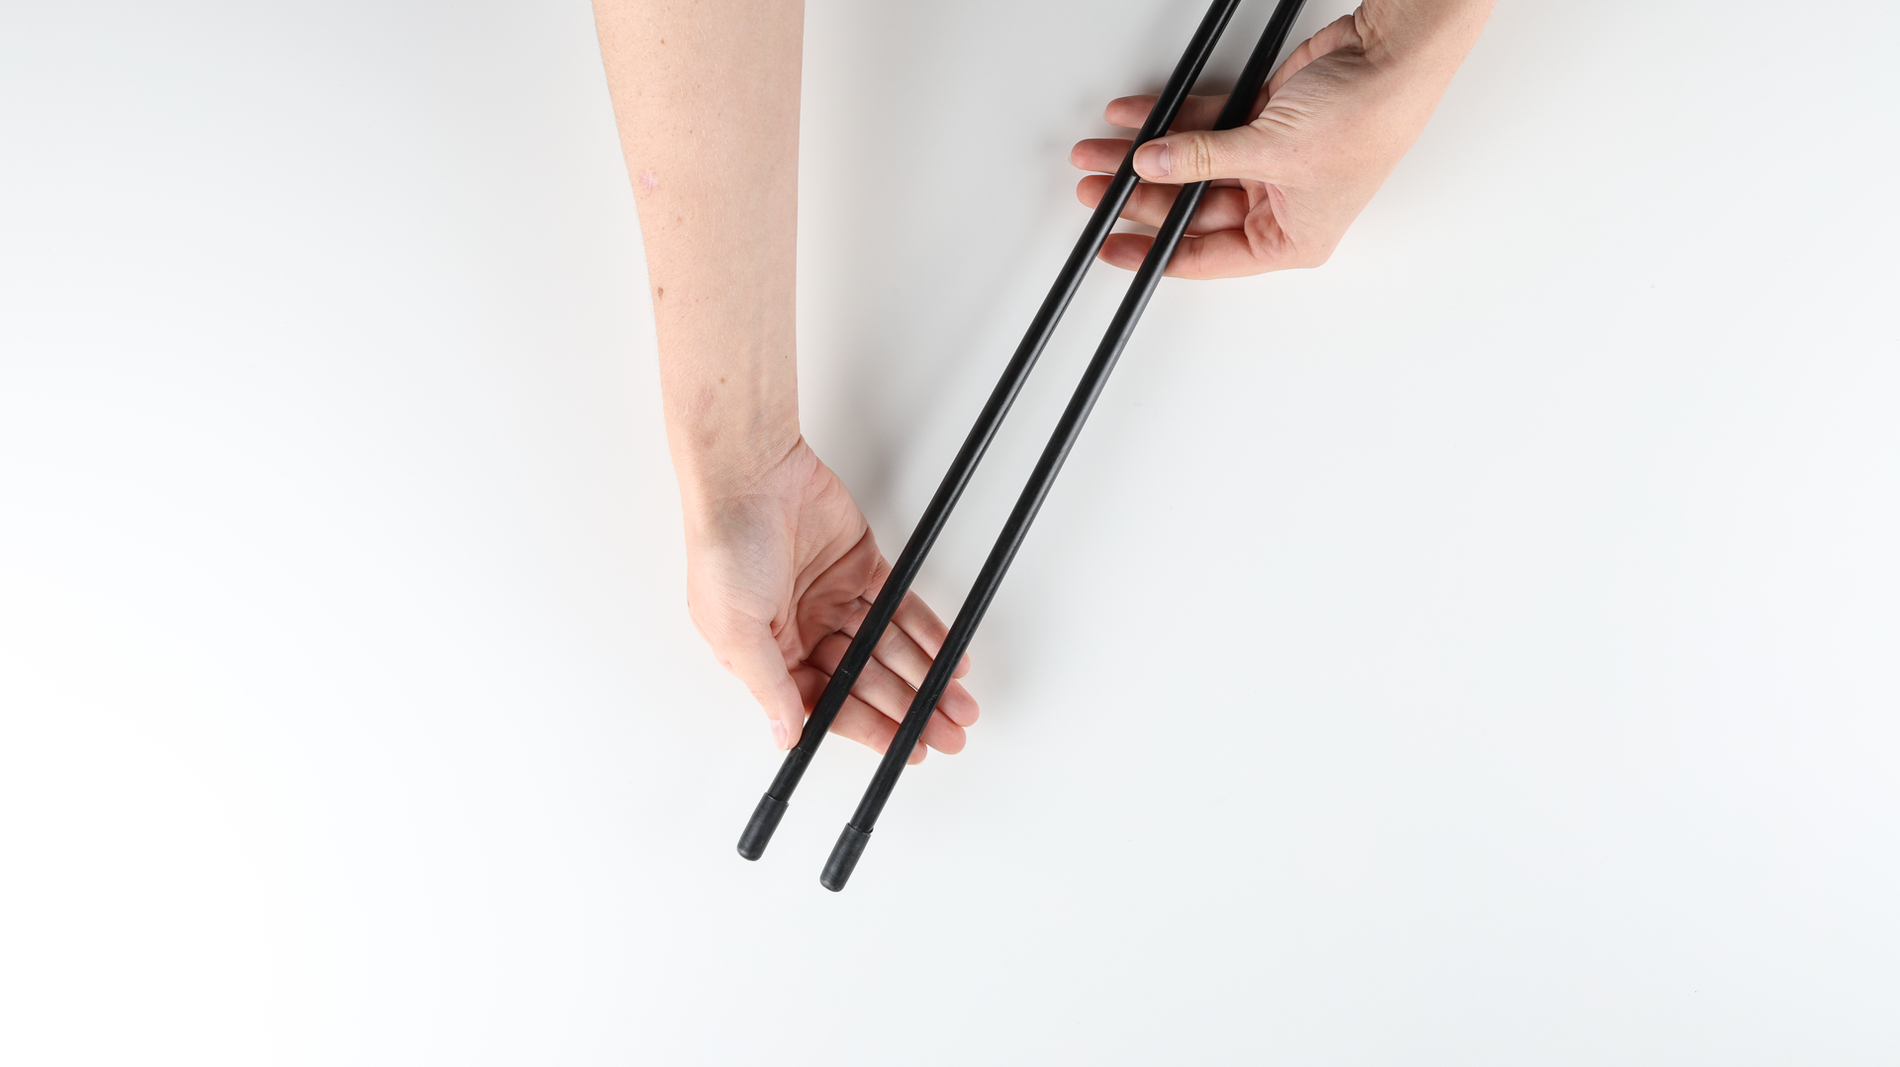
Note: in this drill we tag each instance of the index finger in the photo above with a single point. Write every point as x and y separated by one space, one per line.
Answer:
749 651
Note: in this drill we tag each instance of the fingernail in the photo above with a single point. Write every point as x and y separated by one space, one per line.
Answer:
1151 160
778 734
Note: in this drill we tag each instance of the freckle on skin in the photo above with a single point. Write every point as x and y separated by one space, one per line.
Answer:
662 294
648 182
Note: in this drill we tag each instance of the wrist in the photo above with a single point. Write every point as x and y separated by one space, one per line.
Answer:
731 402
1420 35
718 464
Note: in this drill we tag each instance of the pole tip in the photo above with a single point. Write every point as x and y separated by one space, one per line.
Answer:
758 832
844 857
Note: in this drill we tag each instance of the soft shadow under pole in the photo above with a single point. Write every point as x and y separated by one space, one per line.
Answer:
857 832
765 818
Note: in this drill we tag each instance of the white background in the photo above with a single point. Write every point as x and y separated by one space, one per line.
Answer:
1482 650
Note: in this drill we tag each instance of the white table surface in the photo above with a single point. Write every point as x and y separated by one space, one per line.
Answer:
1483 650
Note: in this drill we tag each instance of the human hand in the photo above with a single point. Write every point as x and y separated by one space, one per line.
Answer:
1337 117
780 572
781 567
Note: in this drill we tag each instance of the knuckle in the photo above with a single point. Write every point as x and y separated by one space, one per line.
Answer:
1200 161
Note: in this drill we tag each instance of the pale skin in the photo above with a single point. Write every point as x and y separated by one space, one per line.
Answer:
781 565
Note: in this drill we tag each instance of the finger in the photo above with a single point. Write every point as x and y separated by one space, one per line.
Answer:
915 620
1226 254
890 693
899 653
857 720
1249 152
1103 155
922 625
748 650
1223 208
1197 112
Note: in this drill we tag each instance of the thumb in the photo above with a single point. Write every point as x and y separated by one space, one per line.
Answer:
1204 155
756 659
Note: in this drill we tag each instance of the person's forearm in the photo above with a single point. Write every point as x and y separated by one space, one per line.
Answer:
706 96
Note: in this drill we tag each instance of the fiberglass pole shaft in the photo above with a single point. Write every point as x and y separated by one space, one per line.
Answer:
771 807
1239 108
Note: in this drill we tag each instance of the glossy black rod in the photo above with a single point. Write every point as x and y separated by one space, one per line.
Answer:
1239 108
771 808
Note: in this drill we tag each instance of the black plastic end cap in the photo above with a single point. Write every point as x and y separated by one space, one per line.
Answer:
844 857
758 832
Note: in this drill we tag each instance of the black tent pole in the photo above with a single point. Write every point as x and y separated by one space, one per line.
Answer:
1238 111
771 808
